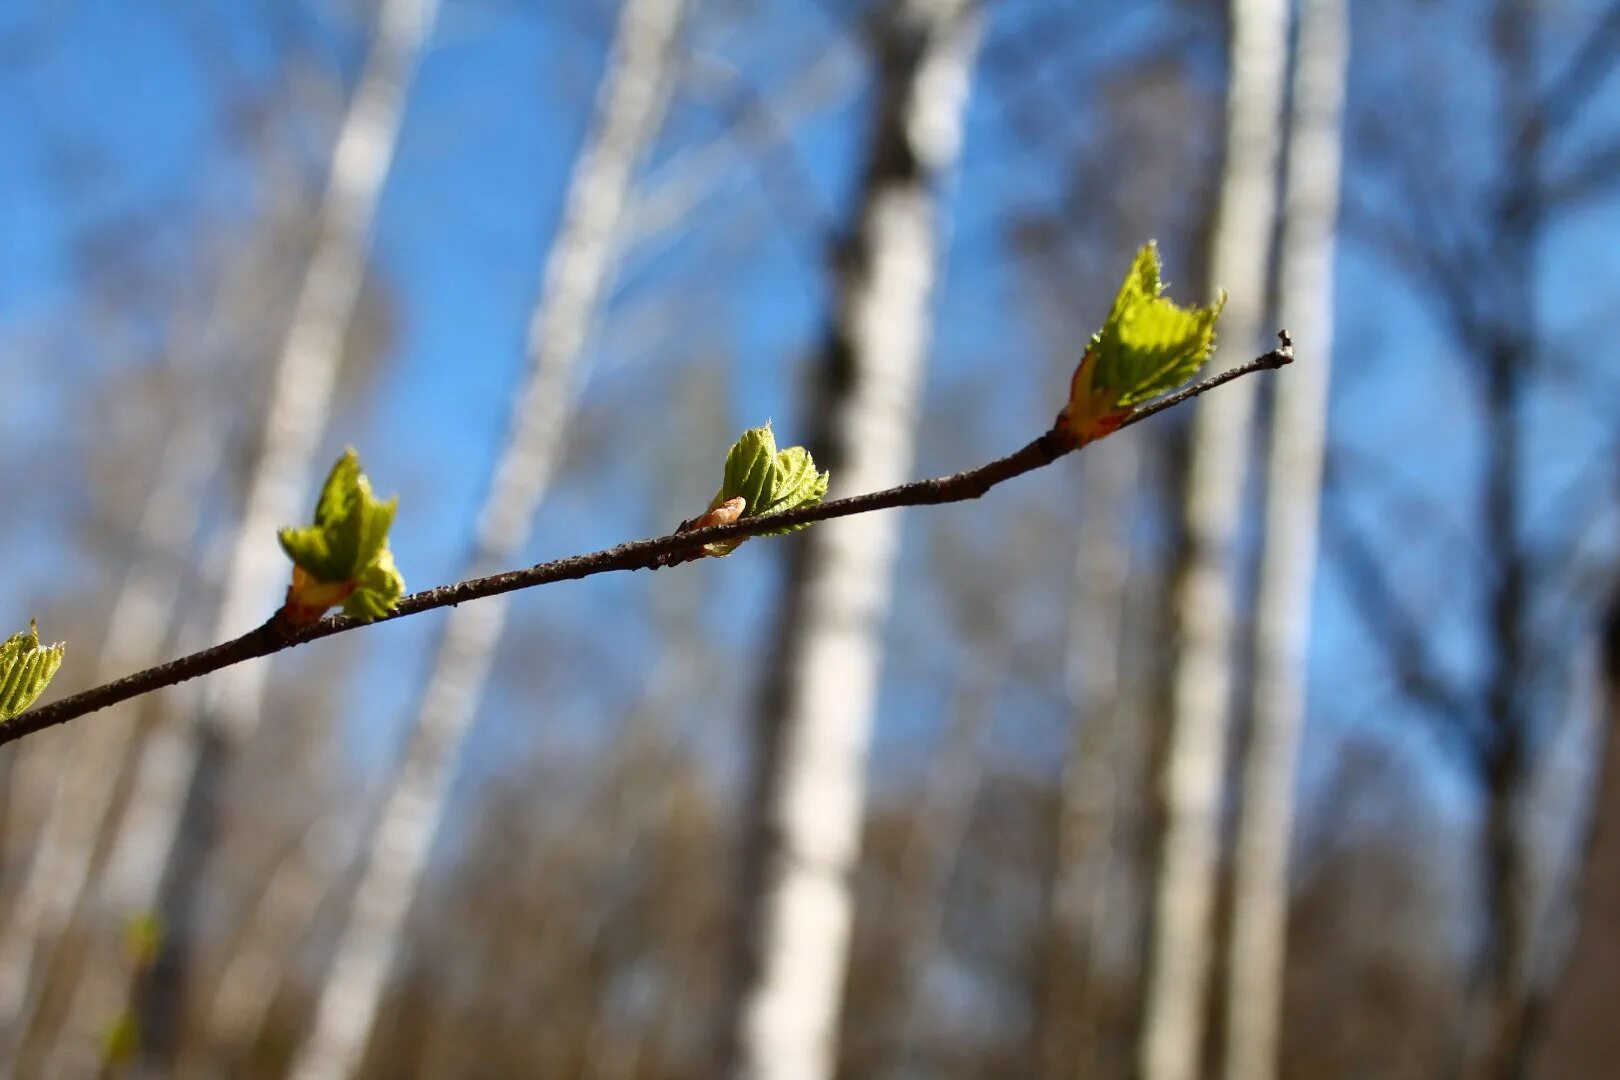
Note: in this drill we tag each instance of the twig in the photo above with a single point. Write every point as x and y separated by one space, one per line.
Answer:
274 636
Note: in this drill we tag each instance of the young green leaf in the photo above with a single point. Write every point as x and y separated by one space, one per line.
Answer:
26 668
343 558
761 480
1149 346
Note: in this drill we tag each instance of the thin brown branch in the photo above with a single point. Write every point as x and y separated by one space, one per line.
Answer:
274 636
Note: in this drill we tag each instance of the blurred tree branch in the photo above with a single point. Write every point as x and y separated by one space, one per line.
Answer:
1377 600
1574 86
1475 249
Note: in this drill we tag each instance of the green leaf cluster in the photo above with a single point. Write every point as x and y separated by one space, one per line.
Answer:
768 481
1149 346
26 668
344 557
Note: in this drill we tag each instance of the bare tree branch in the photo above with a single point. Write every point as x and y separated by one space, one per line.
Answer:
275 636
1574 87
1378 602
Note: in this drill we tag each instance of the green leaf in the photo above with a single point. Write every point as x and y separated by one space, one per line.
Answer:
26 668
343 558
749 465
767 481
795 483
1149 346
381 586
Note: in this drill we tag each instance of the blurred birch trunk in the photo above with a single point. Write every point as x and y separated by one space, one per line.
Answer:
1293 494
1581 1037
95 761
1089 790
161 841
807 795
1202 677
393 856
63 860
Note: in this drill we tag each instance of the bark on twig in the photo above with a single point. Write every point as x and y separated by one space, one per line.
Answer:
636 555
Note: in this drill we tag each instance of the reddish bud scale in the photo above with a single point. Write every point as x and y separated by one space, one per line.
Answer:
308 599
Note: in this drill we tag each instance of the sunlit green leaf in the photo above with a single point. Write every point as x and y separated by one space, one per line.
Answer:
381 586
343 557
26 668
1149 346
767 481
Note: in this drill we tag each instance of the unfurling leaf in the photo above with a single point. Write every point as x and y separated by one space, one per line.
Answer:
343 558
26 668
759 480
1149 346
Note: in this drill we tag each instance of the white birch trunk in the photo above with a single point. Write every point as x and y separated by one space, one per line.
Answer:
630 103
789 1013
62 861
296 414
1202 679
1579 1036
1310 211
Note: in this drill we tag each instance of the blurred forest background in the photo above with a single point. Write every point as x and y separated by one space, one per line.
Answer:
1269 738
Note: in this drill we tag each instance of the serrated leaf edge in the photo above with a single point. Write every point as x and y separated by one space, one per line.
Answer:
1098 401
